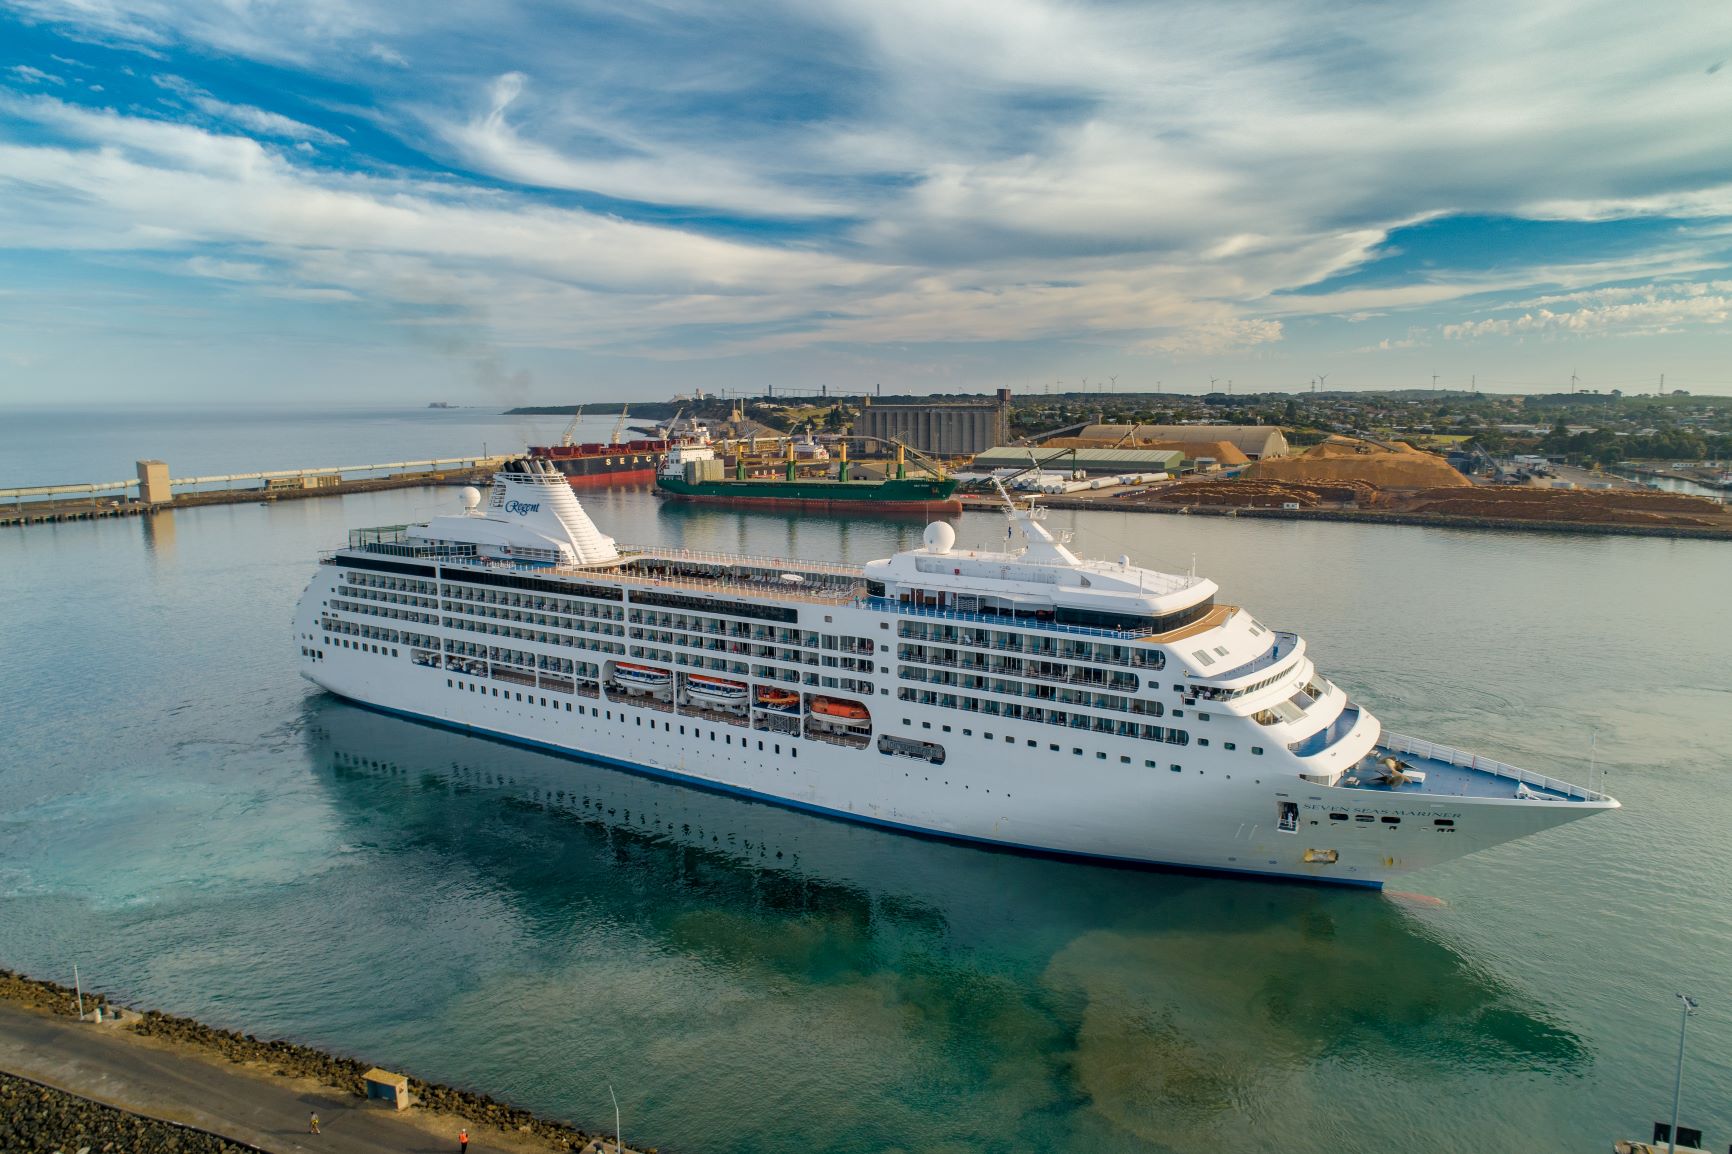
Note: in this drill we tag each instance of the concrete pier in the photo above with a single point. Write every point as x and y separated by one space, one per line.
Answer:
155 489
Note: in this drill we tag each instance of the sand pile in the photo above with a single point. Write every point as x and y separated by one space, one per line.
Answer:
1612 506
1254 494
1397 466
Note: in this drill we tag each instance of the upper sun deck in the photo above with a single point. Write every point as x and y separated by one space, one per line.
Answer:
738 575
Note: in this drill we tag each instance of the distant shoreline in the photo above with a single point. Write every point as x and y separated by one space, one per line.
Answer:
1368 517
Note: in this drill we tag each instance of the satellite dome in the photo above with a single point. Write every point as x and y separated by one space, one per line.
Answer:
471 497
939 537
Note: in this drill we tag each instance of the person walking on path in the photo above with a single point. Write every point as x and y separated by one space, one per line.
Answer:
313 1122
463 1141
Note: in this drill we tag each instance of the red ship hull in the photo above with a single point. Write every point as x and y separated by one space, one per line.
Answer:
828 505
603 466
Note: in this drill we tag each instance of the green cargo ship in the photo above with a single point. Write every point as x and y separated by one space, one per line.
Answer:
693 473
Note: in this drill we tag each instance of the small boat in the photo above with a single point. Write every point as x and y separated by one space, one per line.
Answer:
778 698
715 688
641 676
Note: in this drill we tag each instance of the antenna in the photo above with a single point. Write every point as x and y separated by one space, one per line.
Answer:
1593 760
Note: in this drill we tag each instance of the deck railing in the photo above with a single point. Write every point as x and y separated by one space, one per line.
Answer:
1400 743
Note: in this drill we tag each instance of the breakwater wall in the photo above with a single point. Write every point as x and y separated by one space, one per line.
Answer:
96 506
291 1059
34 1116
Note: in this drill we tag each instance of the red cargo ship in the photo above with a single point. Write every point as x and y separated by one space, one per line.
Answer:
596 466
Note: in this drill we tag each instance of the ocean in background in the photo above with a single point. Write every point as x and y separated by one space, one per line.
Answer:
67 446
201 830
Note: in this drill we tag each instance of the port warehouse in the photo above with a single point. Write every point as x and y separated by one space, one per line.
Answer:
1255 441
1089 461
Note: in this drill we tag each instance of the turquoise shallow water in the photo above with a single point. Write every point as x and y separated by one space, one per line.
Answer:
199 829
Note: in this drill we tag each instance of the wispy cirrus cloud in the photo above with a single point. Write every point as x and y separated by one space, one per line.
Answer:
31 75
245 116
1645 310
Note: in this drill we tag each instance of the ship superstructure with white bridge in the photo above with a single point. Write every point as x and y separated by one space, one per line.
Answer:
1025 698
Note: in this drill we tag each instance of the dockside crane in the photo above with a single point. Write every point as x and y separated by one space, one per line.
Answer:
565 438
619 425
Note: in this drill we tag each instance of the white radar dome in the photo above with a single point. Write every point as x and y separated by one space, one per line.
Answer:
939 537
471 497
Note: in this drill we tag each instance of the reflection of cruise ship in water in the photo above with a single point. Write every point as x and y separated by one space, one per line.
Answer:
1025 698
1126 941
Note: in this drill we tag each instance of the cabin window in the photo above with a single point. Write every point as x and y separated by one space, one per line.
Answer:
1178 769
1202 741
1123 760
1445 822
1228 745
1390 820
1257 751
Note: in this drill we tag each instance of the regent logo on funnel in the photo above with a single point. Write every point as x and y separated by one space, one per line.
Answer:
522 508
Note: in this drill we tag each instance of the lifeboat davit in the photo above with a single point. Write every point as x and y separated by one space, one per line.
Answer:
641 676
715 688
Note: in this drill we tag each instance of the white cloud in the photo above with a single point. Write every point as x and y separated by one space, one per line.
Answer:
31 75
1155 176
633 167
256 120
1623 311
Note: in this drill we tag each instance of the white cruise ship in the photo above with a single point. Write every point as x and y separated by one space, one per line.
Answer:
1028 698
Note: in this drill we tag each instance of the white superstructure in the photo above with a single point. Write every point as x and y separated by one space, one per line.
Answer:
1027 697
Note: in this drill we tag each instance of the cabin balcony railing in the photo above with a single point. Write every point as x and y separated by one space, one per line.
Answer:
885 604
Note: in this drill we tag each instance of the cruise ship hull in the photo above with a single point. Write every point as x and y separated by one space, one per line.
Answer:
1029 700
1208 816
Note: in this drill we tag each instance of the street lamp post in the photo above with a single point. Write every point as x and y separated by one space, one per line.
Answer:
1689 1005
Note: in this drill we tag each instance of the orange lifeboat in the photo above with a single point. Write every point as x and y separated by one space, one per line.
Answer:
778 698
847 710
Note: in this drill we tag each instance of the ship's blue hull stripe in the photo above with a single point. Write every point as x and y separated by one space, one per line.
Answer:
844 815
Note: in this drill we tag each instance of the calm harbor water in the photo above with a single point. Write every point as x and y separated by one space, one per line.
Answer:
201 830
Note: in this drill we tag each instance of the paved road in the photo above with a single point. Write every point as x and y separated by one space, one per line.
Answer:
114 1066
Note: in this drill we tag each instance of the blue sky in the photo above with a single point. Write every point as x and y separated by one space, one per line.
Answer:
510 202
